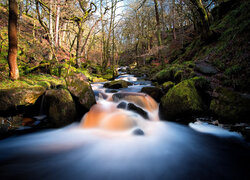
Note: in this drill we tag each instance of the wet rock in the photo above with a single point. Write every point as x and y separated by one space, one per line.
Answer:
205 68
154 92
230 106
122 105
60 106
117 84
138 132
181 100
167 85
137 110
81 90
12 98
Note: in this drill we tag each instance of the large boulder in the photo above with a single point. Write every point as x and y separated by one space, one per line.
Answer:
81 90
60 106
12 98
117 84
182 100
230 106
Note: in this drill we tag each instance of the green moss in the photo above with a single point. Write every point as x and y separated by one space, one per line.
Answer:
32 81
182 99
167 85
230 106
95 79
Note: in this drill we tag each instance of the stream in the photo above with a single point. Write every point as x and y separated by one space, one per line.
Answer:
122 138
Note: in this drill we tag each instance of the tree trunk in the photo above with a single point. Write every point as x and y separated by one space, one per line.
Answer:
173 14
21 9
51 22
78 46
205 31
12 33
57 23
158 26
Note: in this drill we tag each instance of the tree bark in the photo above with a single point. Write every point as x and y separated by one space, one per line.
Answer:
205 31
173 14
57 23
51 22
12 34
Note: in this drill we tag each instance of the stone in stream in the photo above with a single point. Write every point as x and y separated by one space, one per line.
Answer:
60 107
122 105
138 110
117 84
138 132
82 92
154 92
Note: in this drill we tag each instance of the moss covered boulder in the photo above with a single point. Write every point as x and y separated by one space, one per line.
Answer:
60 106
81 90
163 76
117 84
12 98
181 100
230 106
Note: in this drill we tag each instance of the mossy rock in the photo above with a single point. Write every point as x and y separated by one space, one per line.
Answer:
117 84
11 98
79 87
181 100
231 106
163 76
167 85
61 107
96 79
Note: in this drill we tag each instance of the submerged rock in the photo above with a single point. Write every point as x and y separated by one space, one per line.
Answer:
138 132
138 110
61 107
183 99
79 87
117 84
230 105
12 98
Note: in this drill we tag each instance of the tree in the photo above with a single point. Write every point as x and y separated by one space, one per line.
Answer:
12 33
203 15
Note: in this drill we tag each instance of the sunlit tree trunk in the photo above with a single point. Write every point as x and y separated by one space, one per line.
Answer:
57 23
51 22
12 33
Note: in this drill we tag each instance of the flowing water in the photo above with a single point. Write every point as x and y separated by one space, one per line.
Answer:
122 138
